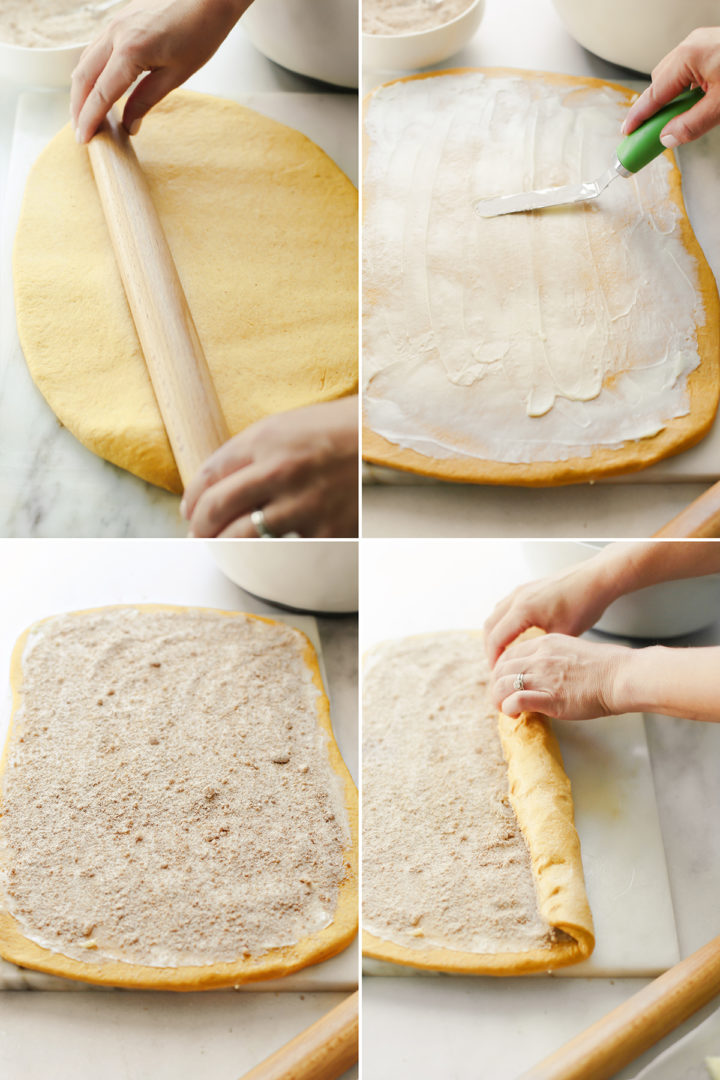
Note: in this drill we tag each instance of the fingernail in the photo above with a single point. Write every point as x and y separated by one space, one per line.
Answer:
191 535
78 137
183 507
134 127
669 141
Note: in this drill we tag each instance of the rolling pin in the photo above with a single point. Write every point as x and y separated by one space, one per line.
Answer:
323 1051
700 519
175 360
600 1051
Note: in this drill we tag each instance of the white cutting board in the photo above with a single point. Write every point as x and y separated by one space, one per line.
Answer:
700 166
623 857
416 587
35 583
51 485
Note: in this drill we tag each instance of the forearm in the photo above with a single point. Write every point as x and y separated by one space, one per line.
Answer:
674 682
626 567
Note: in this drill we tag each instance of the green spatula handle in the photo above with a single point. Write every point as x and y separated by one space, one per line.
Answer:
639 149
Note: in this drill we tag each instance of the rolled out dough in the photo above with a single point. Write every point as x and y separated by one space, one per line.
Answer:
536 349
175 811
471 861
263 229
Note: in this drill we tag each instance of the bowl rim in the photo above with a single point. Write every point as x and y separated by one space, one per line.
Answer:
43 50
413 35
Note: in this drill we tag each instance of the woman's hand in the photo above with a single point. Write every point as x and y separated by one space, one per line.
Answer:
566 603
572 679
565 677
571 601
695 62
170 39
299 467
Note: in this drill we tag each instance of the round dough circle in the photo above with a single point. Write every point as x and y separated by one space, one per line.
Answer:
263 229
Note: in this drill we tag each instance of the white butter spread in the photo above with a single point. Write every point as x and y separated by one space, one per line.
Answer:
527 337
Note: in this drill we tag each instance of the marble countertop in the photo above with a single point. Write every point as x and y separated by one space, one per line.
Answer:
121 1035
493 1029
50 485
623 507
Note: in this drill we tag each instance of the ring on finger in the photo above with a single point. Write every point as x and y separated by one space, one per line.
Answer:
519 681
260 525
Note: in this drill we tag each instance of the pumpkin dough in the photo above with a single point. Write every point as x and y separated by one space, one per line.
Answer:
471 861
541 348
263 228
175 810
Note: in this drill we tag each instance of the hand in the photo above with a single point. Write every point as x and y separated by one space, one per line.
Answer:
565 677
566 603
170 39
695 62
300 467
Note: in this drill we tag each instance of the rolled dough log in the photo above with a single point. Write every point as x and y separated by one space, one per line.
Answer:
263 228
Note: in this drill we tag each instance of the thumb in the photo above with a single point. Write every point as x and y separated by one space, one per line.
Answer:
695 122
151 89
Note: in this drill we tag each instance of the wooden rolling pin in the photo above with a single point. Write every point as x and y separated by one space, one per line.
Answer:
700 519
174 356
322 1052
620 1037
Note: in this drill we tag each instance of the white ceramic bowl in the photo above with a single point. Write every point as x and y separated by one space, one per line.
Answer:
50 68
660 611
637 34
310 575
408 52
318 38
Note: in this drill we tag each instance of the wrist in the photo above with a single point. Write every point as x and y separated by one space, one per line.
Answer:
228 11
634 679
345 425
603 579
623 568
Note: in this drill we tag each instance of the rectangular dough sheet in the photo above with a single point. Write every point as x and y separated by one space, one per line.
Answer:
471 861
540 348
175 810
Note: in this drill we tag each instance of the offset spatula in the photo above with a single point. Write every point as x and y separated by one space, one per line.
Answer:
634 153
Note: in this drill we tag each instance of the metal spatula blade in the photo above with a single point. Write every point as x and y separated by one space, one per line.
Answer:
543 197
633 153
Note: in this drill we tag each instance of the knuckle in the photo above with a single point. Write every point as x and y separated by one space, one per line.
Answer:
684 129
206 475
130 42
698 36
208 513
100 94
686 50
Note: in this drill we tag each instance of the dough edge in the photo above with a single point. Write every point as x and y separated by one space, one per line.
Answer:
680 433
541 797
277 962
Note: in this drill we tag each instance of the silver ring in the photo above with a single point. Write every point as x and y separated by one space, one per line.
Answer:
519 683
258 519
